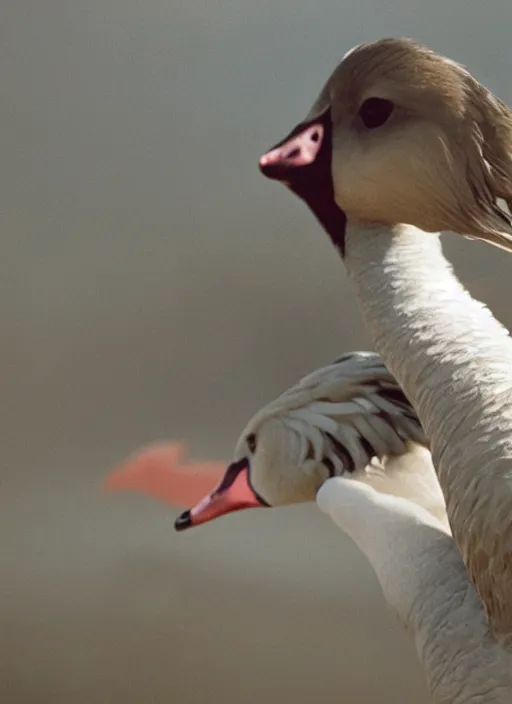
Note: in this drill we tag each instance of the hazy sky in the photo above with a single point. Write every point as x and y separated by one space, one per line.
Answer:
152 282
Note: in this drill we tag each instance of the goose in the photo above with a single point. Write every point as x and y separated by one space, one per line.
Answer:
424 581
348 418
400 145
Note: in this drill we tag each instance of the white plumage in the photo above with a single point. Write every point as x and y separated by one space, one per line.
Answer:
349 418
424 580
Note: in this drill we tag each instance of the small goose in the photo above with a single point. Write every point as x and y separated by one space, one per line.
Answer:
348 418
401 144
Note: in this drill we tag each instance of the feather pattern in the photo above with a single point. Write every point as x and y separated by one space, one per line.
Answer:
345 416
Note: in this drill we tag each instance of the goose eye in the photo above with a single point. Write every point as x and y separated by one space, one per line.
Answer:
251 443
374 112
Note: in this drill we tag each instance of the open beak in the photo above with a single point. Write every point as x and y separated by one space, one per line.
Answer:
234 493
303 162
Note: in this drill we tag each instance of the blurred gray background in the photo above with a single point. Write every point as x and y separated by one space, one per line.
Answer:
154 285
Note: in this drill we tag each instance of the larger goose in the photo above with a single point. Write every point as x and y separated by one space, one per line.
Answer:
402 144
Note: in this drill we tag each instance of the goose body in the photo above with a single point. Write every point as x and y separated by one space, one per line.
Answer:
425 582
400 145
348 418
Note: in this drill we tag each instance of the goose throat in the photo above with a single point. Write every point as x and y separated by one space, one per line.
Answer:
303 162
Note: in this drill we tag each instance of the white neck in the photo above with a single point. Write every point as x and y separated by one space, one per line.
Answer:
454 362
410 476
424 580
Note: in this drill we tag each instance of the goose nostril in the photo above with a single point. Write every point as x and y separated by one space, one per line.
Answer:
315 137
294 153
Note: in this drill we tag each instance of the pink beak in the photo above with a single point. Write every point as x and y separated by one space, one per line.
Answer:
234 493
299 150
212 490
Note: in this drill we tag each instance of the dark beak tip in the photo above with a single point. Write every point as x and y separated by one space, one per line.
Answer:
275 172
183 521
265 167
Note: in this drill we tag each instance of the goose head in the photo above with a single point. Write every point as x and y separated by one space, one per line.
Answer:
400 134
347 418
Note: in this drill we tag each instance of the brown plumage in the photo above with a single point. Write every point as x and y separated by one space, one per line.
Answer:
452 137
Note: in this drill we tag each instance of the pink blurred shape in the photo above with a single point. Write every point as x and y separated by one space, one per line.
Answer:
162 471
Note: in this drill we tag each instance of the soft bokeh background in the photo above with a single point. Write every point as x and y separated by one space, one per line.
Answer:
154 285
